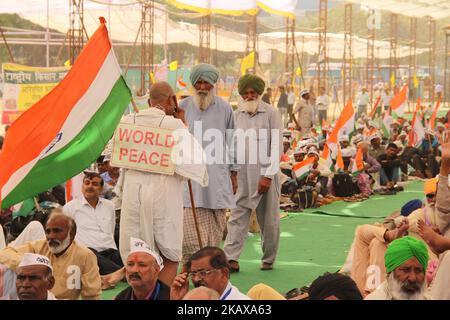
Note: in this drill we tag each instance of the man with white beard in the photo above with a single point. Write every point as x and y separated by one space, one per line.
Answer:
406 261
210 120
74 266
259 176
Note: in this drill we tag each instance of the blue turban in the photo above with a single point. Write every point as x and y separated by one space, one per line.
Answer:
410 206
204 71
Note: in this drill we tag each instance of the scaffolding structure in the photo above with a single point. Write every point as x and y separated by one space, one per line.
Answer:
147 48
10 55
76 29
347 61
322 52
393 62
370 63
412 51
289 61
446 97
251 39
204 48
432 57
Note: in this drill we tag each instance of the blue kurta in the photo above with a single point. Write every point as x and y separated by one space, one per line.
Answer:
219 117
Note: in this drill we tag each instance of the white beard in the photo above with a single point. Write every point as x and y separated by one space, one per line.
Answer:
397 292
61 247
203 101
249 106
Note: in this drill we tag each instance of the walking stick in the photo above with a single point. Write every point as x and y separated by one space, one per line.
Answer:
191 195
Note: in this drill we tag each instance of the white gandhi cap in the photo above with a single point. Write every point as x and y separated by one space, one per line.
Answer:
138 245
32 259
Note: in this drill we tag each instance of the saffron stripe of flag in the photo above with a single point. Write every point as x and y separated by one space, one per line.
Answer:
68 128
302 169
398 103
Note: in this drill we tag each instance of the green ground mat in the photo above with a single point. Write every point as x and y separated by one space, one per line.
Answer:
311 243
377 206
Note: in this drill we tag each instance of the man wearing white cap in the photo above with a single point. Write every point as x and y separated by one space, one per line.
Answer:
74 266
345 145
142 269
303 114
35 278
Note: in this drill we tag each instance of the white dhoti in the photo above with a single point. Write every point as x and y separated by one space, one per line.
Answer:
151 212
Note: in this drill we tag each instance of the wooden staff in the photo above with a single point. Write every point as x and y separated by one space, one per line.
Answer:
191 194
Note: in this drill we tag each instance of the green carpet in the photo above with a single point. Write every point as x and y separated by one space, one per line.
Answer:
312 242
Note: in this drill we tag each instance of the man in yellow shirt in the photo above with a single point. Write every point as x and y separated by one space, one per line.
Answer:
74 266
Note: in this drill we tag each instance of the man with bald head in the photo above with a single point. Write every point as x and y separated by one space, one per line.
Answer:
210 119
142 268
74 265
152 203
35 278
202 293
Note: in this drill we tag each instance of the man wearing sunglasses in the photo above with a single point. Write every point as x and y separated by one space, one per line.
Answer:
207 267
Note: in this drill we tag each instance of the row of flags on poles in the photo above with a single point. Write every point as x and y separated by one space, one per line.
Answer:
345 125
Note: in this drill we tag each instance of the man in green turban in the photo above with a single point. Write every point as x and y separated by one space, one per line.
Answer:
203 78
258 178
406 261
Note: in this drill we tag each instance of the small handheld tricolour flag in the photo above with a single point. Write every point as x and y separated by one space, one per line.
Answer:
67 129
358 163
302 169
398 103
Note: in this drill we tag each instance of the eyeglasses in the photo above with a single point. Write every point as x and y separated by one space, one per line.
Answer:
431 195
201 274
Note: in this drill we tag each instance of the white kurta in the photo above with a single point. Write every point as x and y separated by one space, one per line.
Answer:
152 205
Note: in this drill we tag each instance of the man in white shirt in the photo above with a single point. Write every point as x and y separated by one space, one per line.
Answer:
362 102
95 219
207 267
322 103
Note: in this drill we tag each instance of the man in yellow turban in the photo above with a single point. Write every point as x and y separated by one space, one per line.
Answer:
406 261
259 176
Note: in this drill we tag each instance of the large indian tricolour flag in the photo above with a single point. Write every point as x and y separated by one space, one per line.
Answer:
68 128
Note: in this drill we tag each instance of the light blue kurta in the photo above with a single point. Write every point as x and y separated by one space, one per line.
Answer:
218 116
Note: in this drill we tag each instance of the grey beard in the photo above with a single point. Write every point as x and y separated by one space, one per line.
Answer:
203 101
398 293
249 106
62 246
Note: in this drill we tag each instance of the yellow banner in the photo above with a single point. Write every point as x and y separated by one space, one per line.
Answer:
143 148
25 85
